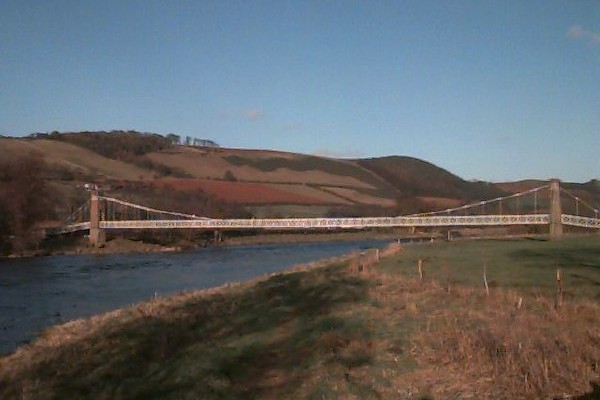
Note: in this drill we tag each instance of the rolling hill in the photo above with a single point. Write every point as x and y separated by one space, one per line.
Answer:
147 167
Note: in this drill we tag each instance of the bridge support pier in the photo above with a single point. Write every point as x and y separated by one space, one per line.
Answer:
556 227
97 235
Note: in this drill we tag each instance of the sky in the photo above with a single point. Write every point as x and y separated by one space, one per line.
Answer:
489 90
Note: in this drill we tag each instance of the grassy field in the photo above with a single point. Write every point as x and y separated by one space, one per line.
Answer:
328 331
527 265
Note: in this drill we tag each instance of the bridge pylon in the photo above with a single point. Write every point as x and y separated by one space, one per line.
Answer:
556 227
97 236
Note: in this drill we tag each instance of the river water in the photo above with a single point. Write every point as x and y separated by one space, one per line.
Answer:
36 293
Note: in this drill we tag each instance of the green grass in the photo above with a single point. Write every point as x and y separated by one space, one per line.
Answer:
524 264
217 347
327 333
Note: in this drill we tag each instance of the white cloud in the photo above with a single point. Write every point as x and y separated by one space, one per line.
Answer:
254 114
577 32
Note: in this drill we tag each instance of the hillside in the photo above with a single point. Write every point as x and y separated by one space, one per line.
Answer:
215 181
414 177
72 159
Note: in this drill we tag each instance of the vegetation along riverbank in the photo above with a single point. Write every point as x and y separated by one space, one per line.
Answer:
353 327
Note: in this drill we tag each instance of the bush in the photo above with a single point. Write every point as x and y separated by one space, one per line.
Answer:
229 176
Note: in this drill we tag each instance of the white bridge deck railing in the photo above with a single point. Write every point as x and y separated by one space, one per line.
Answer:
341 223
133 217
324 223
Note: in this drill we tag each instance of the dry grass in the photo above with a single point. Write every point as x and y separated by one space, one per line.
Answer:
488 347
361 198
72 157
439 203
256 193
212 165
322 195
318 331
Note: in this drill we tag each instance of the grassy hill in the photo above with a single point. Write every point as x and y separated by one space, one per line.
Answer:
414 177
143 166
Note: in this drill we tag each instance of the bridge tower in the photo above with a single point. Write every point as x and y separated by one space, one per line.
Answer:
97 235
556 228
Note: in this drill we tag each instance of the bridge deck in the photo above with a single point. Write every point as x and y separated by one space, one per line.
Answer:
342 223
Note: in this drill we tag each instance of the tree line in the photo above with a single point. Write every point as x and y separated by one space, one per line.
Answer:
124 145
130 146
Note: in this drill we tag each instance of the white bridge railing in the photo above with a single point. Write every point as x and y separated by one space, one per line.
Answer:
133 214
342 223
583 222
325 223
81 226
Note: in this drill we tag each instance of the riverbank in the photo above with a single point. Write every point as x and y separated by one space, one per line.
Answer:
113 246
122 245
351 327
315 237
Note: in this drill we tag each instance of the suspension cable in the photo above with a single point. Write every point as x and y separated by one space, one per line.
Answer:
578 199
481 203
148 209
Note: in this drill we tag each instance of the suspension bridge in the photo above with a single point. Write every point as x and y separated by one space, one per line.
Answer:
538 206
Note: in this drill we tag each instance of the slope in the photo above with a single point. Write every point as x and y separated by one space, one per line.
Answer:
414 177
75 159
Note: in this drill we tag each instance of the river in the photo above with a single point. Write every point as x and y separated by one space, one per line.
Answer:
36 293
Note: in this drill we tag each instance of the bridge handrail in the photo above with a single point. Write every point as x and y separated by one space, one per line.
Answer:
312 223
80 226
324 223
584 222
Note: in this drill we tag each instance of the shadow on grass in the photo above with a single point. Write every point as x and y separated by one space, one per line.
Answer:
558 257
593 395
232 345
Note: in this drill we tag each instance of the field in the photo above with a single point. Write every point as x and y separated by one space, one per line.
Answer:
254 193
440 203
526 265
265 166
358 197
327 331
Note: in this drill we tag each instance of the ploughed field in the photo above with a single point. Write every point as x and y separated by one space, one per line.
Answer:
349 328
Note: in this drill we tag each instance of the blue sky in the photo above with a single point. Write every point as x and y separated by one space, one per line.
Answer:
491 90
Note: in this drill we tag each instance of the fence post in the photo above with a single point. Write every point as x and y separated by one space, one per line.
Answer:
485 282
559 289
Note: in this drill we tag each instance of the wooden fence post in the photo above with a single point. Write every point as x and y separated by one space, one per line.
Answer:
420 267
485 282
559 289
517 308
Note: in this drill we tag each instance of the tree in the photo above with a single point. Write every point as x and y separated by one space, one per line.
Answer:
229 176
174 139
23 201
